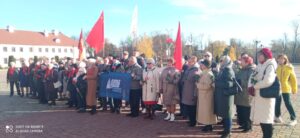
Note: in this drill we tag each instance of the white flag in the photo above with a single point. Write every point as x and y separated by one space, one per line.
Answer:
134 23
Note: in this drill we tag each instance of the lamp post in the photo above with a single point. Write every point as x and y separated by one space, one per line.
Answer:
256 42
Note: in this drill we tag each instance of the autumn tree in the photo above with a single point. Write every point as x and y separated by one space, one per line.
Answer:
145 45
216 48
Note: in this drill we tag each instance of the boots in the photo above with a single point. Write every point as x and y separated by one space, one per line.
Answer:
93 111
168 117
207 128
172 117
267 130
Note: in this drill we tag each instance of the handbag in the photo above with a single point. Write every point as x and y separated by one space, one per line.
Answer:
235 89
57 84
272 91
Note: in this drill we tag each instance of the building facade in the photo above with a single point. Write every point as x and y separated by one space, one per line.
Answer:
27 44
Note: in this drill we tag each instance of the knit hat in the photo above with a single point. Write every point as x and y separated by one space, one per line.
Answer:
206 63
151 60
267 53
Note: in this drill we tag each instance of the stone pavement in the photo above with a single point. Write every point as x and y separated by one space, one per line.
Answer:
42 121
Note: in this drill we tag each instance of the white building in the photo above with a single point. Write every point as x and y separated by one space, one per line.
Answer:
27 44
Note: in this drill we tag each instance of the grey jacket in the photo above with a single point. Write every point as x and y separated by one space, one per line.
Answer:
136 72
243 98
189 86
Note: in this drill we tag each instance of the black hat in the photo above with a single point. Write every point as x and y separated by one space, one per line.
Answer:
206 63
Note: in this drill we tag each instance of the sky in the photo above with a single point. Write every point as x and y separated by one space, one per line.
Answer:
247 20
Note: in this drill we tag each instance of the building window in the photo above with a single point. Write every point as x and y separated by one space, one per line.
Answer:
46 50
53 50
59 50
13 49
40 50
71 50
21 49
4 49
5 61
30 49
66 50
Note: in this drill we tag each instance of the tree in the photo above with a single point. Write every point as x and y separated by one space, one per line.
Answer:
295 25
35 59
216 47
145 45
11 58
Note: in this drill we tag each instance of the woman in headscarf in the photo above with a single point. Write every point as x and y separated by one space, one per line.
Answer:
92 78
223 102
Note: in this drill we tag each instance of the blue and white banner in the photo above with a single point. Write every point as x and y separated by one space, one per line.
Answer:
115 85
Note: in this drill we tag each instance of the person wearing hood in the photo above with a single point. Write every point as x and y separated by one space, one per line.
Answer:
288 80
224 103
262 109
243 100
189 90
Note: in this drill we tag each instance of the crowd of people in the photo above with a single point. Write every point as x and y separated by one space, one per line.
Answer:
202 89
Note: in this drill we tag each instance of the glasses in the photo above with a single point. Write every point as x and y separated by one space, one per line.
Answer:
206 56
149 63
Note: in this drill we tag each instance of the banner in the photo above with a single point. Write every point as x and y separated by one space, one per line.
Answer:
115 85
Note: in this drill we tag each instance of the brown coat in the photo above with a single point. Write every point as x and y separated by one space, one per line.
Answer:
205 102
91 78
169 86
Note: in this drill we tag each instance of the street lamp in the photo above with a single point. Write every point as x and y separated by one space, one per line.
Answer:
256 42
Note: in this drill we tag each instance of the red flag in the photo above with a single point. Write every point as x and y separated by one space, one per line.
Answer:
80 47
96 37
178 50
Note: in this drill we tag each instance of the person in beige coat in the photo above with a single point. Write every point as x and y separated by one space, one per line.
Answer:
150 87
170 77
91 78
205 102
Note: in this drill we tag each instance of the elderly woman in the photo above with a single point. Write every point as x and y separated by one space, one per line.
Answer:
81 87
51 76
223 103
189 91
205 102
243 100
91 77
150 87
170 77
262 109
24 79
287 77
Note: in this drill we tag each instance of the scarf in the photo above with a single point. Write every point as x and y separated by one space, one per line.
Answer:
11 71
48 73
25 70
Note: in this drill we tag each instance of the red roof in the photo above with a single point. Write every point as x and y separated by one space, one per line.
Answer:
20 37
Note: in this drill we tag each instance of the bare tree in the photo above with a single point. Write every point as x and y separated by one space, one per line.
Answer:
295 25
